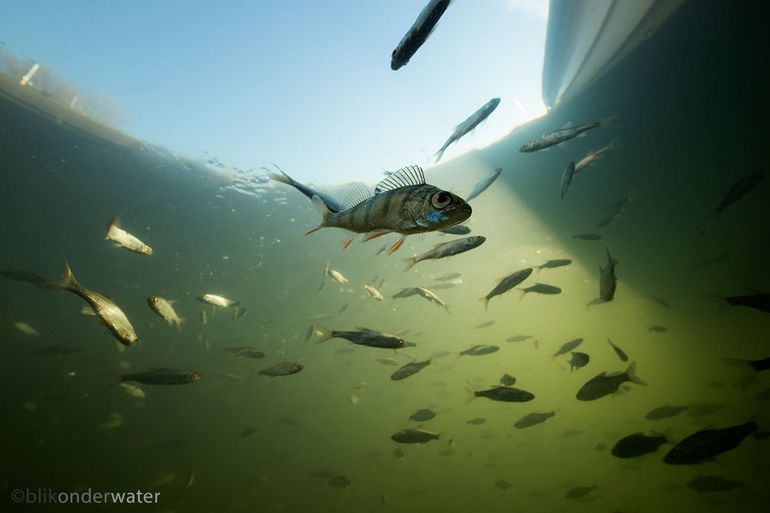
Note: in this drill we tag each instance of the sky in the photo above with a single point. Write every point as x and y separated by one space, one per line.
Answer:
304 84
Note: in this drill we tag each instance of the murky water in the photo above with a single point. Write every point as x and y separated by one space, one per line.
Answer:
692 124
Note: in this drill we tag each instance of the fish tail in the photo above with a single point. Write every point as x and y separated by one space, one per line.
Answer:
632 377
486 302
113 222
610 257
724 305
440 153
322 334
471 395
410 262
522 293
747 370
179 322
610 122
282 177
66 282
323 210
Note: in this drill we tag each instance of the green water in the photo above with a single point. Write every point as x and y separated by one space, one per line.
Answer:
692 124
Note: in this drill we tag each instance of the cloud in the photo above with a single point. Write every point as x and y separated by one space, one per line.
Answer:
535 8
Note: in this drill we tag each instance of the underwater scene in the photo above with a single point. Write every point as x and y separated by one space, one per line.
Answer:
575 317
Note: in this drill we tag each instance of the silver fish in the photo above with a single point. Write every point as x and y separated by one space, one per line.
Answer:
282 369
446 249
612 211
362 337
469 124
591 157
216 300
410 369
484 184
507 284
372 291
165 308
123 239
418 33
565 134
566 179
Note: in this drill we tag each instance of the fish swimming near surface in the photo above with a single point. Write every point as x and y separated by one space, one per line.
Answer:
540 288
707 484
282 369
758 301
707 444
402 203
506 284
414 436
216 300
612 211
553 264
608 281
418 33
605 384
567 347
458 229
331 203
410 369
165 309
362 337
639 444
587 236
105 308
501 393
123 239
162 376
665 412
565 134
748 368
578 360
246 352
484 184
740 189
533 419
618 351
446 249
469 124
566 179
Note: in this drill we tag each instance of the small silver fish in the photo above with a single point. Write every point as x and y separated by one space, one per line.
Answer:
418 33
220 301
565 134
372 290
469 124
123 239
165 308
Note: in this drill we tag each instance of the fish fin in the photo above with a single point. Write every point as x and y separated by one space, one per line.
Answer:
323 210
410 175
179 322
632 377
66 282
115 221
568 124
522 292
358 195
471 395
747 371
322 334
374 235
282 177
396 245
346 243
724 305
486 302
410 262
610 122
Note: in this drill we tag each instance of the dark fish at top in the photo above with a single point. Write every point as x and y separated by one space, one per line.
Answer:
618 351
246 352
740 188
105 308
664 412
446 249
568 346
540 288
469 124
566 178
332 204
505 394
418 33
605 384
758 301
362 337
608 282
162 376
553 264
507 284
533 419
507 380
638 444
484 183
579 492
578 361
282 369
748 368
414 436
479 350
422 415
401 203
458 229
410 369
611 212
709 443
706 484
587 236
565 134
23 276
